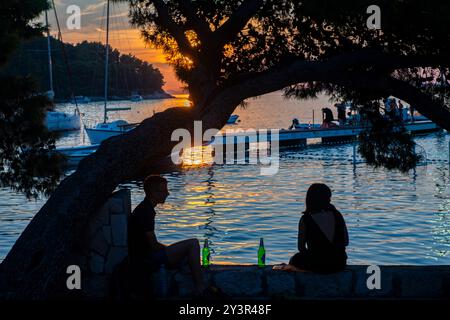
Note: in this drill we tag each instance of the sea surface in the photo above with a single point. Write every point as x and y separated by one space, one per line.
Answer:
393 218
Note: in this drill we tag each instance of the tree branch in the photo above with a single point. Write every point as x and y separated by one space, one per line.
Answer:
424 103
338 70
167 22
229 30
200 26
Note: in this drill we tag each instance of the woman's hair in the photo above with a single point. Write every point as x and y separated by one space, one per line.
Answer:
318 197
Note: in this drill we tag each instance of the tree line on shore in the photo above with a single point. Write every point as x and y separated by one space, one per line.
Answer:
86 62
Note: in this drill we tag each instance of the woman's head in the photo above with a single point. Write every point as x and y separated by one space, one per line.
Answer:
318 197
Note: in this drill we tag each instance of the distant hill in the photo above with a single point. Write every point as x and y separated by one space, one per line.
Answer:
127 74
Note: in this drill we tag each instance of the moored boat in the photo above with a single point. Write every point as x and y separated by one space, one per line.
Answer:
233 119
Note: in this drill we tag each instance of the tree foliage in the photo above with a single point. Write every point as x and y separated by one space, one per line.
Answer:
26 163
214 45
127 73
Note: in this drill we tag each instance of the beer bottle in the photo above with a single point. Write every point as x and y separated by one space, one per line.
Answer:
261 253
206 254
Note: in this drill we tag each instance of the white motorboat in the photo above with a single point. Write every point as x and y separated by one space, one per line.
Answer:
136 98
56 120
60 121
103 131
233 119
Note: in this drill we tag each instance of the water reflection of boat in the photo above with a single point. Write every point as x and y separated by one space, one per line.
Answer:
74 155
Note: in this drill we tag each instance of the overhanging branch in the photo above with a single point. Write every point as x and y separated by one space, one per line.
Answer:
229 30
200 26
339 70
175 30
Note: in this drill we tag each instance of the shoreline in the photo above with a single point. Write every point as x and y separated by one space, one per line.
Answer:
154 96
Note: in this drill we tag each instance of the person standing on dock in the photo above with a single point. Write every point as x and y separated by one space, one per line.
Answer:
145 252
341 113
295 124
328 119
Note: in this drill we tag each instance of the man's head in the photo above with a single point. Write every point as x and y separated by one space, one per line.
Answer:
155 188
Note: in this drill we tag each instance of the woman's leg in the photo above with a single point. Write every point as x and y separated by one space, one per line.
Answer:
299 261
191 249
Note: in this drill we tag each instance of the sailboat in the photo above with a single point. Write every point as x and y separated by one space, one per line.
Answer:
105 129
55 120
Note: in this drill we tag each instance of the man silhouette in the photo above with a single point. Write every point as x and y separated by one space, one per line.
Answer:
145 252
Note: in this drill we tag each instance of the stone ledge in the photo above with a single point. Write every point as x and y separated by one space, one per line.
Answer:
252 282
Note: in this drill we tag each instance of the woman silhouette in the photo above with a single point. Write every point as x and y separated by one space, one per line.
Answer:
322 235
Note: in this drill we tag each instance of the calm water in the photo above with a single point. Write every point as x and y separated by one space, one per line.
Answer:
393 218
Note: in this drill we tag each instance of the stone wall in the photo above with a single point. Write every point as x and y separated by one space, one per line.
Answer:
252 282
106 247
106 244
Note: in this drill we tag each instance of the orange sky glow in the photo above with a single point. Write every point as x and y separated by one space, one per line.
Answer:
123 36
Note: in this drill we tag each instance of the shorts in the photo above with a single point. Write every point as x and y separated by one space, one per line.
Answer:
308 262
157 258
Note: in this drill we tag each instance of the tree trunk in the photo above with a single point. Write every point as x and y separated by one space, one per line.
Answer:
36 265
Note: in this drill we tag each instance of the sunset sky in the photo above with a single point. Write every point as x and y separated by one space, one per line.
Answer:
122 35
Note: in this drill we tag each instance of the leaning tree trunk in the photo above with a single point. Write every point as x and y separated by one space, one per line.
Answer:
36 265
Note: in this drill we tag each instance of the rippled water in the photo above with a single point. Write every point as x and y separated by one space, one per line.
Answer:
393 218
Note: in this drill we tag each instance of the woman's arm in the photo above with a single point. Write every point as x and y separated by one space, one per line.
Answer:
301 241
345 234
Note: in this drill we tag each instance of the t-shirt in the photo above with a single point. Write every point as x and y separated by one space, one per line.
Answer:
141 220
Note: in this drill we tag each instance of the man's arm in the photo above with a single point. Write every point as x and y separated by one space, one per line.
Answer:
153 242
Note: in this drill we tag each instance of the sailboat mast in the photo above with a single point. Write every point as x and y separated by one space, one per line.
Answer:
106 62
50 66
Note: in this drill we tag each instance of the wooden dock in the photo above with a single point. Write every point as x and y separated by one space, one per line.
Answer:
239 141
301 136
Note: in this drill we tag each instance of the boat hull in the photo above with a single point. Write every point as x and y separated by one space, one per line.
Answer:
58 121
96 136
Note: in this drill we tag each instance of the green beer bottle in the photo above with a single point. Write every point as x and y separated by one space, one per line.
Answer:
206 253
261 254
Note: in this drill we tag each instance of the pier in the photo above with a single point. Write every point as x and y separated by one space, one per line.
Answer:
239 141
301 136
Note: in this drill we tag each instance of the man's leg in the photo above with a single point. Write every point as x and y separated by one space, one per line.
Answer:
191 249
